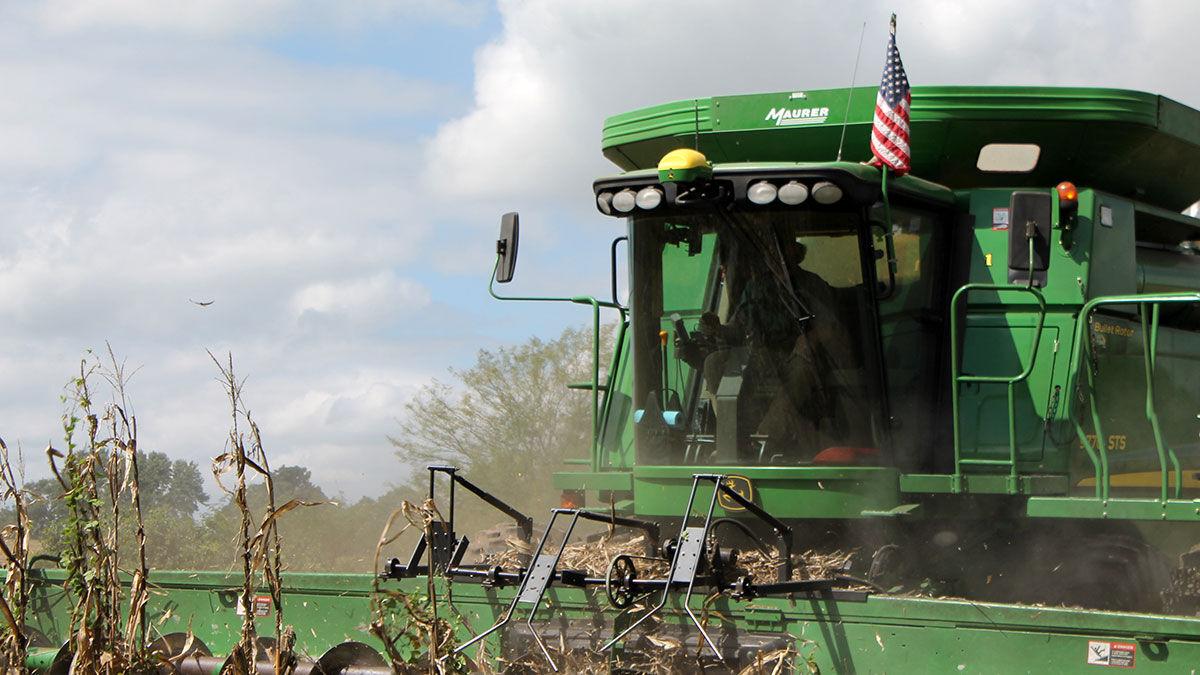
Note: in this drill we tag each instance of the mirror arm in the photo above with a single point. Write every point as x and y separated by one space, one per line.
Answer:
596 305
577 299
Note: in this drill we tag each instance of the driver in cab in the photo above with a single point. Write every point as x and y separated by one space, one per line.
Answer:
784 337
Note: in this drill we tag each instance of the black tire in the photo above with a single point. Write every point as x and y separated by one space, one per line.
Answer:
1090 565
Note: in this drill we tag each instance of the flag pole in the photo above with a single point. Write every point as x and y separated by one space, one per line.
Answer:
887 206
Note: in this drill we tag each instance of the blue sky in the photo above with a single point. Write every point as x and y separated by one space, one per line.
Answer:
331 175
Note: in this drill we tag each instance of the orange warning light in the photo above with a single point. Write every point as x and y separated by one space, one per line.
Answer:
662 337
1067 193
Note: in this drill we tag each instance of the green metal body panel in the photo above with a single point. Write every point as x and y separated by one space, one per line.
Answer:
828 492
598 480
983 483
1130 143
1156 140
325 609
876 635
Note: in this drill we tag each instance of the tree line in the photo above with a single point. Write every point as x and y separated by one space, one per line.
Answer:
507 420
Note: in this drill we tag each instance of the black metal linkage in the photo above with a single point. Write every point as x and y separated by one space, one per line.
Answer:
543 572
651 529
744 588
523 521
445 546
685 562
783 533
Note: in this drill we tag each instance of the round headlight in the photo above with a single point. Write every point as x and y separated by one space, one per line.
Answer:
624 201
649 198
604 203
826 192
793 193
761 193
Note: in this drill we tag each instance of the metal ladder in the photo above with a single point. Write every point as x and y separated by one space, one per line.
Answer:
1012 482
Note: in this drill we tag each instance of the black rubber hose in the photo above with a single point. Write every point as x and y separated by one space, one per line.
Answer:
758 542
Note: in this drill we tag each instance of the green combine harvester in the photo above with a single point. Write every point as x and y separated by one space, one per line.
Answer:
983 377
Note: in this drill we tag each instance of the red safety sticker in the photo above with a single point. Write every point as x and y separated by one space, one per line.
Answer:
1114 654
261 604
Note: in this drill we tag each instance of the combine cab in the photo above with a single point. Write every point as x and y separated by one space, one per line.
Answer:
976 387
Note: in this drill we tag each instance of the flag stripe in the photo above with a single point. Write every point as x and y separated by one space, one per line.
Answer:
892 133
878 141
888 157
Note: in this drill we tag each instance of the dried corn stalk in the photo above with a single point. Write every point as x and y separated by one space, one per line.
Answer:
261 550
14 544
414 637
97 472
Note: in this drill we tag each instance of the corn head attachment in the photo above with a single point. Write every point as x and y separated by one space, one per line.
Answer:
695 560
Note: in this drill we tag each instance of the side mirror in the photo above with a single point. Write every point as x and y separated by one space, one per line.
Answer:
506 247
1029 223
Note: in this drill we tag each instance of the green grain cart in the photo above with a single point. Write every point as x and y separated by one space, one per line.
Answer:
982 377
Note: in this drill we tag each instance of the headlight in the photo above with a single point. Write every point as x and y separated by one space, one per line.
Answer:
761 193
604 203
624 201
649 198
826 192
793 193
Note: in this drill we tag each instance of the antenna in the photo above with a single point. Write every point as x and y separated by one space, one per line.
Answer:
850 96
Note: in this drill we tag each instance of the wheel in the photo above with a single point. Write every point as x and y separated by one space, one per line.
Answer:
618 583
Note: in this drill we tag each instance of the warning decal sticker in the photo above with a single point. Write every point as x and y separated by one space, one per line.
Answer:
261 604
1000 219
1115 654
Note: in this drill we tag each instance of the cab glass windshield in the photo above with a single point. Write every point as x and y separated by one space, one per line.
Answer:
754 338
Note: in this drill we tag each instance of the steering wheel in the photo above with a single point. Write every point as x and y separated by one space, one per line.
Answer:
618 583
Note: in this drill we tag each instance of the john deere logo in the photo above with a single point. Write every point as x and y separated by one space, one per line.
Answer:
740 485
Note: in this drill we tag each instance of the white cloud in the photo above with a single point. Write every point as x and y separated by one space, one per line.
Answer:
358 299
222 17
544 86
142 171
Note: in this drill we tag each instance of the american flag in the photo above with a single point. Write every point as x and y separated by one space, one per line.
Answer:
889 135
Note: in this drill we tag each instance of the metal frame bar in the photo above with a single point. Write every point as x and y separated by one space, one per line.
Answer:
782 532
512 606
666 591
548 579
523 521
413 568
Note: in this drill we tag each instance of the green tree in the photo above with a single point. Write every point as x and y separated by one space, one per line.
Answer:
174 486
508 421
172 495
47 515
